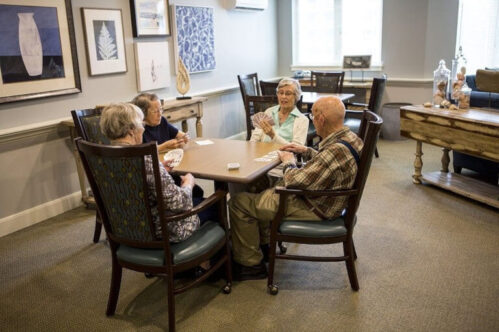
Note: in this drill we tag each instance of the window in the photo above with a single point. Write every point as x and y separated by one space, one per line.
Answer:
478 33
325 30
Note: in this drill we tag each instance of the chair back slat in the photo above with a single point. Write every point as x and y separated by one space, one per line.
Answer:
369 133
377 90
330 82
118 179
268 88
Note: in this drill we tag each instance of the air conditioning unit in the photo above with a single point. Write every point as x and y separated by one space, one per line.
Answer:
248 4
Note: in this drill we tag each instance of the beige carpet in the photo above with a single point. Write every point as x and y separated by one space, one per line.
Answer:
428 261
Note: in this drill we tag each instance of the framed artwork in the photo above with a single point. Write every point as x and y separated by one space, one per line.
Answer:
37 50
150 18
356 61
194 41
153 65
104 41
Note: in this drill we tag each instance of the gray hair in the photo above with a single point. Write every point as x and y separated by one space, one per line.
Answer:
118 119
144 100
287 81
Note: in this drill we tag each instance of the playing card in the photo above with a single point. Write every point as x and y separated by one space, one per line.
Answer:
258 117
175 156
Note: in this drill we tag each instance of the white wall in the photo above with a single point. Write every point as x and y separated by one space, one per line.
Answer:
37 171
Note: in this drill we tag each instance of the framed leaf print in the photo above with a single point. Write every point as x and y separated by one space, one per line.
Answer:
104 41
37 50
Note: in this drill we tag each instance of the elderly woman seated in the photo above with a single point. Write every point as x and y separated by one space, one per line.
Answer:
290 125
122 124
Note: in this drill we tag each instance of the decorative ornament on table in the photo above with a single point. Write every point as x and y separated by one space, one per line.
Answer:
440 84
458 74
463 100
183 80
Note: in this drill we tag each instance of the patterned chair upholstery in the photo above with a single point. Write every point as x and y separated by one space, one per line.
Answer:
118 179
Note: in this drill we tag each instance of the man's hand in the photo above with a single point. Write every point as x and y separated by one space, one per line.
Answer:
267 128
187 180
293 147
167 164
286 157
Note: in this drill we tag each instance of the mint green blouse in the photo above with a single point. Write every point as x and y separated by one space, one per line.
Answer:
285 130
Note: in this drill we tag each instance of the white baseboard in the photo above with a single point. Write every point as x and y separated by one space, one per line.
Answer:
39 213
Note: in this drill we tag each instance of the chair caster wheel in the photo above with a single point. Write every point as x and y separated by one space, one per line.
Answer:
282 248
273 289
149 275
227 288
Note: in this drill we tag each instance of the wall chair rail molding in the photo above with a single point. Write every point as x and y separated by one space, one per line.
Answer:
37 50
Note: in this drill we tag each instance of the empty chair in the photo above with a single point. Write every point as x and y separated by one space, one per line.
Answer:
249 85
352 119
339 230
87 125
329 82
127 214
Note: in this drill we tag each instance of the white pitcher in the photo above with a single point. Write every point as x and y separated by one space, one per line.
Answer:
30 44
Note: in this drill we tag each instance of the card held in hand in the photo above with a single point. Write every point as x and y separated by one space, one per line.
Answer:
258 117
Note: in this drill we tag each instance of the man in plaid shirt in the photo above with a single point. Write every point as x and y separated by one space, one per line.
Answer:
333 166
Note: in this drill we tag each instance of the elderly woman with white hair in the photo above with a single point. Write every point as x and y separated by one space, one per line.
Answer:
290 125
122 123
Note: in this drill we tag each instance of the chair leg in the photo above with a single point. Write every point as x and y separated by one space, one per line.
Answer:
171 304
354 251
376 154
272 288
282 247
114 292
98 227
228 270
352 274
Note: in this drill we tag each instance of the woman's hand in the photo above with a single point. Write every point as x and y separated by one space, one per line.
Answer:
167 164
187 180
173 143
184 137
267 128
293 147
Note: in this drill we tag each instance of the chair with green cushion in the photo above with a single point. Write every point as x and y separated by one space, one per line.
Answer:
118 180
339 230
87 123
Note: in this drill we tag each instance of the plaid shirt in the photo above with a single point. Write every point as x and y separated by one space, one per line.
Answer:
175 199
332 167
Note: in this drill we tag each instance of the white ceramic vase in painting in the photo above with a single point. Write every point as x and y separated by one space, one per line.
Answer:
30 44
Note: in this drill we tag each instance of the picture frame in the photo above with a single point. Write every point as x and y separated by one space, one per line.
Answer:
356 61
150 18
104 41
38 55
193 25
152 64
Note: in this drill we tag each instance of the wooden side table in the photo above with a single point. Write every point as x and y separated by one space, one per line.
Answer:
182 110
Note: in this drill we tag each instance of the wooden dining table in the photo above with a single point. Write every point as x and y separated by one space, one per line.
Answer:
210 161
309 98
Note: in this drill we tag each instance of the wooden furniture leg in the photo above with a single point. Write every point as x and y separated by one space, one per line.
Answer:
418 163
445 160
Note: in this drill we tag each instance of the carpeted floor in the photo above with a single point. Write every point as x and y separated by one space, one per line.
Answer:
427 261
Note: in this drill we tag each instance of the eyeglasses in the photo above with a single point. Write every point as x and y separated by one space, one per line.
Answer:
285 93
156 112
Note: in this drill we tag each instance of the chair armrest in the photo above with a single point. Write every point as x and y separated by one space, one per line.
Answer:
363 105
314 193
217 196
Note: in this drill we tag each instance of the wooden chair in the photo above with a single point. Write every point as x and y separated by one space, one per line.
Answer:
331 82
125 208
255 104
268 88
339 230
352 119
87 123
249 85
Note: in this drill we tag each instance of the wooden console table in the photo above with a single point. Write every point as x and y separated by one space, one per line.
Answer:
361 90
173 111
182 110
473 131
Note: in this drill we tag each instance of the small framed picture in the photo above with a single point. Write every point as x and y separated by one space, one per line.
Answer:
152 64
356 61
150 18
104 41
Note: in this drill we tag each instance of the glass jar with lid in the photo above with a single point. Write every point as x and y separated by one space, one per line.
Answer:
458 74
441 78
463 101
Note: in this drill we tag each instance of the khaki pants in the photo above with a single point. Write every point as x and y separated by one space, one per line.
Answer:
250 217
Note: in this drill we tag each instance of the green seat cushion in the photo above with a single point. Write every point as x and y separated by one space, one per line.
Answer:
353 124
204 239
324 228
